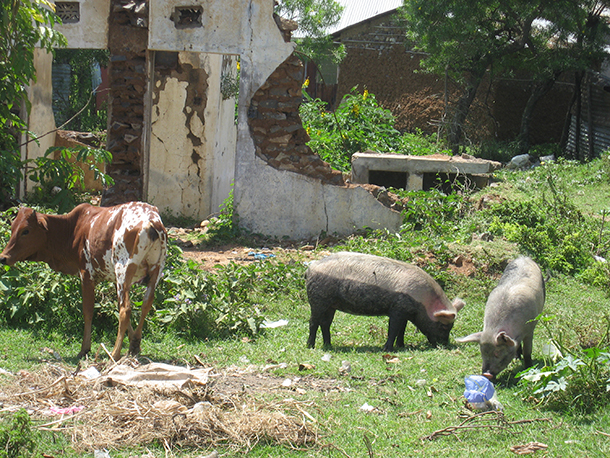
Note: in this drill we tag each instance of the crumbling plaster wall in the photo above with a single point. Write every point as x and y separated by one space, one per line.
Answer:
40 119
280 187
276 200
90 33
190 158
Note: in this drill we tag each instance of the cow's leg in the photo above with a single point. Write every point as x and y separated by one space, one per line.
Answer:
136 338
123 284
88 293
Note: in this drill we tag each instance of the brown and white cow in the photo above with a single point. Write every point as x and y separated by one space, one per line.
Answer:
126 243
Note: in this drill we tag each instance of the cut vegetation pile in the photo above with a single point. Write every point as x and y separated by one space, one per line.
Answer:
125 407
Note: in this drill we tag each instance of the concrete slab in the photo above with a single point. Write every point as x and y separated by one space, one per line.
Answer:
415 167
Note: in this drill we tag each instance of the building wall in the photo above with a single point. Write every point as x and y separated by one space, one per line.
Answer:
172 132
380 59
192 138
40 118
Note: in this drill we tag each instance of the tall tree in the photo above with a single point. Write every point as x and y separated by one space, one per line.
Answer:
314 17
464 39
570 38
24 25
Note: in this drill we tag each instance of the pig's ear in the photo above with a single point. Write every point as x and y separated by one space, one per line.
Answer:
476 337
445 316
504 339
458 304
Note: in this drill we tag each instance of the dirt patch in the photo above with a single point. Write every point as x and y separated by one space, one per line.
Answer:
211 257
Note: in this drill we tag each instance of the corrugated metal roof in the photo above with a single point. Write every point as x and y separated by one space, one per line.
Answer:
356 11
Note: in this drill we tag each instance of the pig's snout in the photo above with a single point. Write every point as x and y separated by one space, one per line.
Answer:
488 375
3 260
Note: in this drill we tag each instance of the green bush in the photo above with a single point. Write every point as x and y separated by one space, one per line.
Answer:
548 226
16 435
573 380
358 124
61 181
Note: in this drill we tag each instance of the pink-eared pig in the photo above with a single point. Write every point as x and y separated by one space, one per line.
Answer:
362 284
510 312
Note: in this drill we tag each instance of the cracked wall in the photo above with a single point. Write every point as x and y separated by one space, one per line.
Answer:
185 144
173 134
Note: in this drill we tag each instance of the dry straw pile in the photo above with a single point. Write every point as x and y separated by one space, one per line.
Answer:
103 413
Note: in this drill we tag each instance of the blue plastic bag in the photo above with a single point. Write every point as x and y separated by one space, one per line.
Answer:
478 389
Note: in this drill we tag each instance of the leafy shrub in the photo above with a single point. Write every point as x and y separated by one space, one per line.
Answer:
358 124
572 380
433 211
548 226
60 181
16 435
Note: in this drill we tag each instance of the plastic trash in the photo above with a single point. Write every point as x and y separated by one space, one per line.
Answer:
367 408
480 393
66 410
261 255
273 324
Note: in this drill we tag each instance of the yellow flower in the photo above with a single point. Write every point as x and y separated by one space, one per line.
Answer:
356 109
238 66
306 83
308 130
365 95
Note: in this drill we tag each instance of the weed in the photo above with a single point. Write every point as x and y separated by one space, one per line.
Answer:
62 180
574 380
358 124
16 435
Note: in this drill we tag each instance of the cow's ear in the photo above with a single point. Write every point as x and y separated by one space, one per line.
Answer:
42 221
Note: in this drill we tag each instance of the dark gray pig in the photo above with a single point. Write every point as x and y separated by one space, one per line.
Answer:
510 312
362 284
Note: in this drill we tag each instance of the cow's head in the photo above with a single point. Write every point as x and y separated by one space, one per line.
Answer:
28 237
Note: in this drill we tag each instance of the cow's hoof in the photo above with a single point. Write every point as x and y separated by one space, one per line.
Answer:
82 354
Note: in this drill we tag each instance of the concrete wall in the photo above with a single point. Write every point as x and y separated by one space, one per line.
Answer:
182 150
40 119
192 138
283 203
91 32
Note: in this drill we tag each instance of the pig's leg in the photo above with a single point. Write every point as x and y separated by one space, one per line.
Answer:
325 322
400 338
396 329
322 320
526 348
313 330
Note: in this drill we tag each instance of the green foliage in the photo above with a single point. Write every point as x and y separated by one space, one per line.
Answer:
434 212
226 225
16 435
24 25
358 124
82 96
574 380
549 226
62 180
314 18
197 304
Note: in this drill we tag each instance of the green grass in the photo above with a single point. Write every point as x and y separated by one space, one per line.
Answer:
421 390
